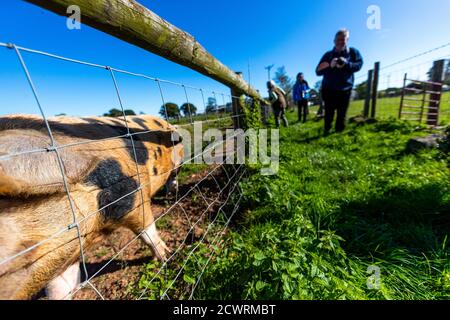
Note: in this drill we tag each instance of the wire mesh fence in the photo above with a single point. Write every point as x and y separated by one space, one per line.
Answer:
191 219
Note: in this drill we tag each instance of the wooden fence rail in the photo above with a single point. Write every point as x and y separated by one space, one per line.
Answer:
135 24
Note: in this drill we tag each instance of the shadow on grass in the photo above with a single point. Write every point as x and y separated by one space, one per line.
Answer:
416 220
307 139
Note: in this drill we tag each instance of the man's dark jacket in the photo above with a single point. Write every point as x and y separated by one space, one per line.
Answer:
340 79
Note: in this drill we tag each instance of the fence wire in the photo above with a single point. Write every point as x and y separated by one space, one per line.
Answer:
225 194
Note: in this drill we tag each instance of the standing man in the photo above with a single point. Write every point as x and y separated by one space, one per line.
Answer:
301 96
337 68
277 98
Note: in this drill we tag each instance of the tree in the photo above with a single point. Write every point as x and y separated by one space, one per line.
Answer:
430 73
284 82
318 86
391 92
172 109
118 113
361 90
315 93
188 107
212 105
414 85
314 97
446 72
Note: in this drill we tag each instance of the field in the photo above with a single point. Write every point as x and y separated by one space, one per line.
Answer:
350 216
386 108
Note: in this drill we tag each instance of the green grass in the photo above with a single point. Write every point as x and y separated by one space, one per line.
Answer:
212 120
339 206
189 170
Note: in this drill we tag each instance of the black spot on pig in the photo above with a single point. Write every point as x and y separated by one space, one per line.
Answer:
114 184
141 123
158 123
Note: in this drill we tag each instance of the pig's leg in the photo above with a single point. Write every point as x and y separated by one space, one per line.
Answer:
151 237
144 225
63 285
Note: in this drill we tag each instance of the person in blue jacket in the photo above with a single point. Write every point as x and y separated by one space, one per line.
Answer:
337 68
301 96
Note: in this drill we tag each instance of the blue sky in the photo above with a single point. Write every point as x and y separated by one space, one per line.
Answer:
293 33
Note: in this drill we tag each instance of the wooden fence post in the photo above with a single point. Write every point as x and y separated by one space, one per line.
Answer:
402 98
424 99
368 93
437 77
236 106
376 75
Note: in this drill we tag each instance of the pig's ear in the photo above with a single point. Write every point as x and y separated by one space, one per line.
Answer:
37 173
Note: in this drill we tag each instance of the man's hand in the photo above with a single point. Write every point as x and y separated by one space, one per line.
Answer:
323 66
334 63
343 63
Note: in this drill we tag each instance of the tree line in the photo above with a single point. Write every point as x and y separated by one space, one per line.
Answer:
172 110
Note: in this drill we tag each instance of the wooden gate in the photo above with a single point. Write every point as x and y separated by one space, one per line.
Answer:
419 99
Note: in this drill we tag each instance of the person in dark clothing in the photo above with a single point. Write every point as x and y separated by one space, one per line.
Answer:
337 68
301 96
277 98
